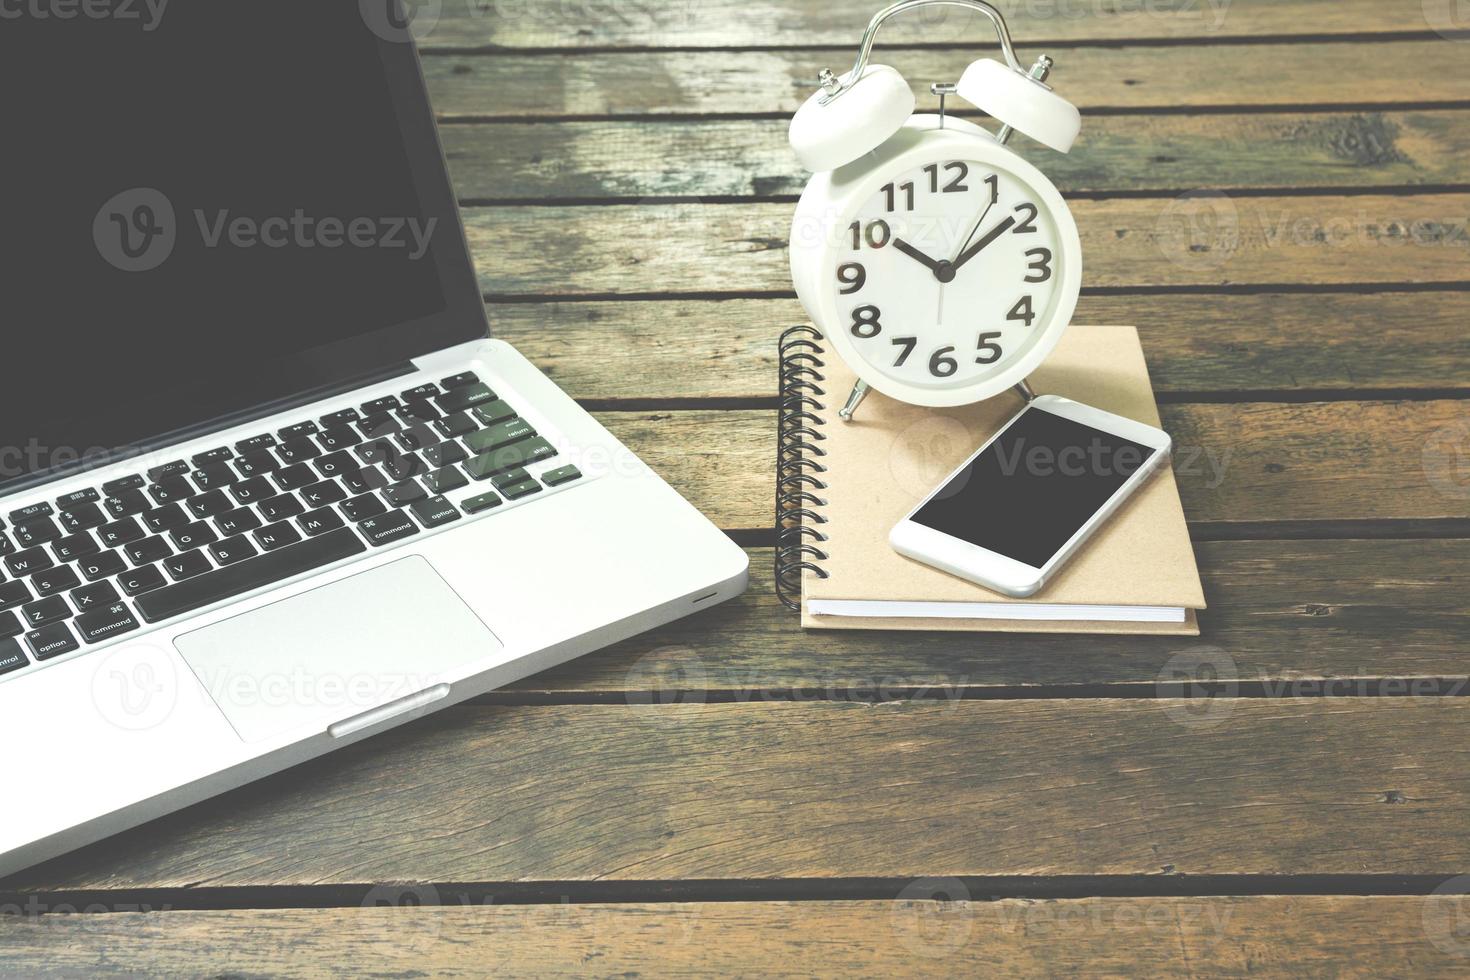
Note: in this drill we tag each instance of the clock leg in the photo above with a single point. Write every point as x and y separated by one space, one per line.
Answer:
1024 390
859 392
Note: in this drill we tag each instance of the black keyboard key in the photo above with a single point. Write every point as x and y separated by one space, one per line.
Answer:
126 503
521 490
379 406
361 508
282 507
322 494
11 656
456 425
298 430
255 444
366 480
252 491
510 478
416 436
119 533
336 464
7 547
405 466
102 566
209 504
404 493
38 530
297 451
556 478
418 411
388 528
94 596
114 487
464 397
232 551
520 454
77 498
493 413
446 480
338 437
213 456
192 536
481 503
53 580
165 518
343 417
14 594
378 426
52 641
237 522
160 473
169 491
319 522
147 551
427 390
82 517
141 580
500 435
268 569
460 380
75 546
49 610
445 454
187 565
277 536
105 623
257 463
31 513
28 562
435 512
375 452
296 477
214 476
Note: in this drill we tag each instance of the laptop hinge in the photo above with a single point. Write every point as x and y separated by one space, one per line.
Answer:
218 424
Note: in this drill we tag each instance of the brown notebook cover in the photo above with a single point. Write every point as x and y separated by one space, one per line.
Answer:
892 455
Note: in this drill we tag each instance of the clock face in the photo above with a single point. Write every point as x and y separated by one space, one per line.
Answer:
947 274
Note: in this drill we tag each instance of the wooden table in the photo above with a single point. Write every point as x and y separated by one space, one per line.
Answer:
1277 193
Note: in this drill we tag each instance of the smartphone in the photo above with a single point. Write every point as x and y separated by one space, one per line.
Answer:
1014 513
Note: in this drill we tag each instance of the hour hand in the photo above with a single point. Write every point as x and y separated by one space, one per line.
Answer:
989 237
913 253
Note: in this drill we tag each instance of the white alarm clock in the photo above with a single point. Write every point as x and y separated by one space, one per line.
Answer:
942 266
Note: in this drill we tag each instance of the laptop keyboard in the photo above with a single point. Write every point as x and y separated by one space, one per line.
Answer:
155 546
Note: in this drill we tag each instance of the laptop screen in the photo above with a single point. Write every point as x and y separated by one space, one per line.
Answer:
205 206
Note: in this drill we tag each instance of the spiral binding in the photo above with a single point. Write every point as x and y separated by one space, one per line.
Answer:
798 463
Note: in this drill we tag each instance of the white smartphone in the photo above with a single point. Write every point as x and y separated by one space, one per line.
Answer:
1013 514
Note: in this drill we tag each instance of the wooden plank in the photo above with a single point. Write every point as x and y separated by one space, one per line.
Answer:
1184 937
1236 463
686 349
774 82
1207 240
1287 614
772 790
749 158
495 24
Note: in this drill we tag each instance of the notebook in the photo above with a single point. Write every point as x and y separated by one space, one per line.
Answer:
843 485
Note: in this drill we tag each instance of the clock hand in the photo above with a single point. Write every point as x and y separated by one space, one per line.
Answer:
933 265
994 198
989 237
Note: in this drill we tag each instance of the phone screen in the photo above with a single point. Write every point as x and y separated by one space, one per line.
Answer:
1034 487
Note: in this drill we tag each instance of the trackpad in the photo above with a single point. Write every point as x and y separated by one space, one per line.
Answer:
325 656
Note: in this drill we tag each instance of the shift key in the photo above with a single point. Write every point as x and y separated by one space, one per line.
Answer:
508 458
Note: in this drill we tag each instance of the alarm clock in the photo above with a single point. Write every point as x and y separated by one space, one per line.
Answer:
941 265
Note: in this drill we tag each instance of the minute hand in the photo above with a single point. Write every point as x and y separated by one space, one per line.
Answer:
989 237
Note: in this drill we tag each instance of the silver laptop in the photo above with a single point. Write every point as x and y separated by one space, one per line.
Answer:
267 485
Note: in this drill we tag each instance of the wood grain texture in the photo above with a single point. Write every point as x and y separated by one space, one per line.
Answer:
750 158
1282 613
493 24
767 790
604 83
1164 937
1197 240
1236 463
687 349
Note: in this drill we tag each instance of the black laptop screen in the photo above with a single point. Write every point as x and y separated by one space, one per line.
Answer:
204 203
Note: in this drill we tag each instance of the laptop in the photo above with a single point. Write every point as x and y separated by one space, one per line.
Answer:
268 485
